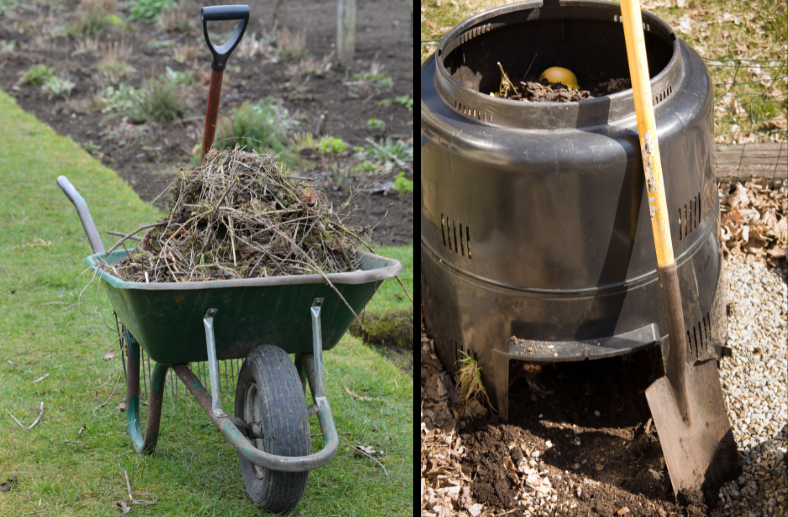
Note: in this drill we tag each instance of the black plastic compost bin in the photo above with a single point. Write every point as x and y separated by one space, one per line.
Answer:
536 239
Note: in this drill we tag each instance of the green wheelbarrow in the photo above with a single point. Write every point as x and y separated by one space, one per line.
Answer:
258 320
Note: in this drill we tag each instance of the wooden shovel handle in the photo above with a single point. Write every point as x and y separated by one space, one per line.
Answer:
212 112
652 166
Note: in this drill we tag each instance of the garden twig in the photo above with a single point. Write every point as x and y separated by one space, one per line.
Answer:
15 420
361 451
38 418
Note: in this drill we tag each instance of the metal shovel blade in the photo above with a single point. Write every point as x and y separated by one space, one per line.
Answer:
700 454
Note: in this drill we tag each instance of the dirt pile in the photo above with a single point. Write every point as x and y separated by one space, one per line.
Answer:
240 216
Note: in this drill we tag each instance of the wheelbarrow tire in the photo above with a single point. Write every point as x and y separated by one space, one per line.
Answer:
269 390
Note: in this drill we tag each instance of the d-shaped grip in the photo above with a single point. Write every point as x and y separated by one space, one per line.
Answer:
224 12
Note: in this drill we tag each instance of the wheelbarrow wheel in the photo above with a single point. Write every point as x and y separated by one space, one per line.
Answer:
269 391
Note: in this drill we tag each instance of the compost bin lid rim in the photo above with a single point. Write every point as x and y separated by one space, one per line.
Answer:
476 105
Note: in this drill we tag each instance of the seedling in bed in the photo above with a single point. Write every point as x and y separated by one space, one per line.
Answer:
57 86
402 185
36 74
149 10
374 123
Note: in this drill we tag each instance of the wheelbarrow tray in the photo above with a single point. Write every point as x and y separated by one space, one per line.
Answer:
167 318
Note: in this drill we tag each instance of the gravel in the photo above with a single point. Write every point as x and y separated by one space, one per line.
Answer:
755 386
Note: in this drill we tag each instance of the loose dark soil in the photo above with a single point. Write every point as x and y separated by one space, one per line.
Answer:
150 161
601 463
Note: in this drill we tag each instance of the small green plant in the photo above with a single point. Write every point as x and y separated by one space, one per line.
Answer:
57 86
331 145
160 99
184 78
387 103
375 75
402 185
405 101
91 147
388 153
367 167
36 74
300 141
149 10
374 123
157 44
120 99
257 127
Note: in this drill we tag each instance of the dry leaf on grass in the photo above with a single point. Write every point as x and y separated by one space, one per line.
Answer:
8 485
109 354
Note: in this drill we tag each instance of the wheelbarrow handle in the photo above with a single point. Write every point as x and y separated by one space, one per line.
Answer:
224 12
84 214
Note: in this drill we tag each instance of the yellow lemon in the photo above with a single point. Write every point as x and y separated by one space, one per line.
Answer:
556 74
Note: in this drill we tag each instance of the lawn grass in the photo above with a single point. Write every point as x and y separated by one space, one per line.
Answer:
752 109
194 470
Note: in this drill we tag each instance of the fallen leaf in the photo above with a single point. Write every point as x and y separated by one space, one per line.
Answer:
623 511
432 25
109 354
8 485
124 507
475 510
122 406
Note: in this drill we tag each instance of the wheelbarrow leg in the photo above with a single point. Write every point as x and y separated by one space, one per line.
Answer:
313 367
148 443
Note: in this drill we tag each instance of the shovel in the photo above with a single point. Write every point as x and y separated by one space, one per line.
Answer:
219 61
686 404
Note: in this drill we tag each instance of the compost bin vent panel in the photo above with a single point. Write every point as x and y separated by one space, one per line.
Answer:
699 338
456 236
689 216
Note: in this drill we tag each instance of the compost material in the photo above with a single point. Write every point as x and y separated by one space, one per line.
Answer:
545 91
240 216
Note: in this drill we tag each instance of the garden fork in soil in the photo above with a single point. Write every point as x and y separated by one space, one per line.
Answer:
219 61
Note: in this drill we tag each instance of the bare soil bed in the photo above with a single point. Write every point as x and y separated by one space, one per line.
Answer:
150 160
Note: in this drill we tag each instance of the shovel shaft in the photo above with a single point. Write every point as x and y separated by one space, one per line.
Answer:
652 166
214 93
676 370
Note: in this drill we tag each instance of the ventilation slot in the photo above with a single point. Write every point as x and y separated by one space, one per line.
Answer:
477 114
662 96
469 35
689 217
462 241
699 338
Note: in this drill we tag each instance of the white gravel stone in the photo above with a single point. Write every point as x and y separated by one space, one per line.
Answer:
755 387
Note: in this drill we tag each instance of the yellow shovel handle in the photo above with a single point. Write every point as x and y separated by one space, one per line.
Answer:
647 130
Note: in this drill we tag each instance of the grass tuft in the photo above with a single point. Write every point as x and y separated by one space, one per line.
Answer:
257 127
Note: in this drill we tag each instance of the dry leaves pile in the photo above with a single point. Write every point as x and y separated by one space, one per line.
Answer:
240 216
445 490
753 220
